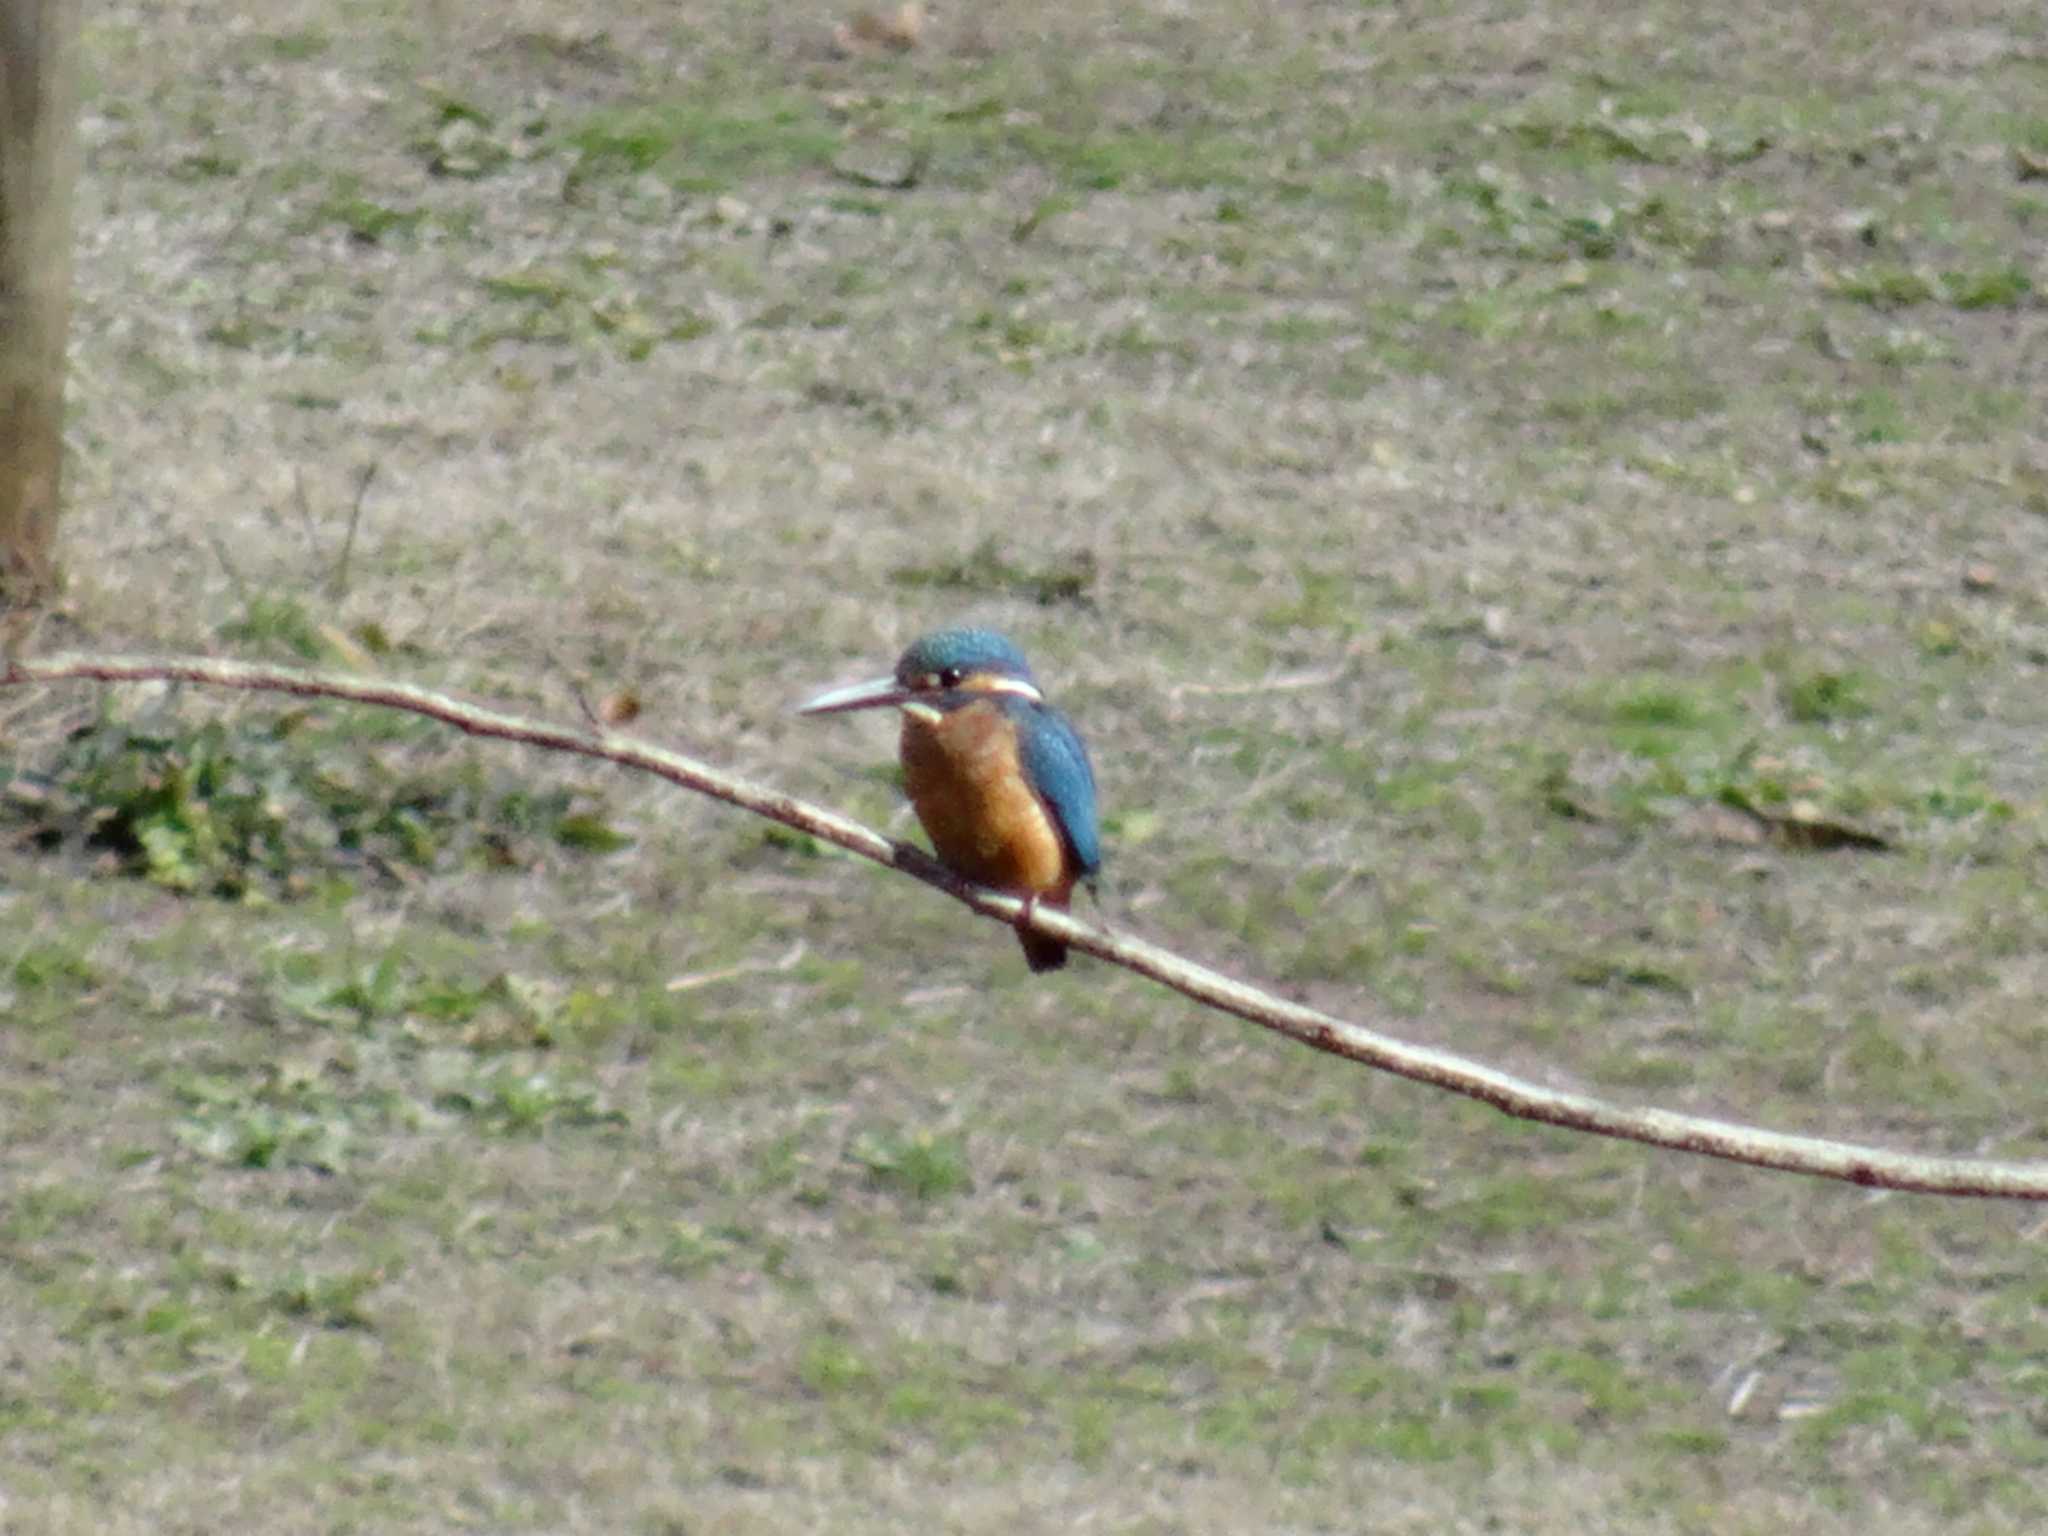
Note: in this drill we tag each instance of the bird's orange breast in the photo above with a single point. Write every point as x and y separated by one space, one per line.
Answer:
967 784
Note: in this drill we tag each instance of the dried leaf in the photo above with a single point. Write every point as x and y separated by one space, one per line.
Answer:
1801 827
886 167
1724 824
346 650
619 707
870 32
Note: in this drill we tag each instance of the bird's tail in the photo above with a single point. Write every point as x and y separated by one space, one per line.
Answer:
1041 953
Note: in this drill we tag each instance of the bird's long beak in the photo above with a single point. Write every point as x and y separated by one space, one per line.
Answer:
868 695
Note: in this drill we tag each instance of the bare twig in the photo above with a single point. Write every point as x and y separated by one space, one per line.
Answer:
337 584
691 983
305 510
1871 1166
1321 677
583 704
227 565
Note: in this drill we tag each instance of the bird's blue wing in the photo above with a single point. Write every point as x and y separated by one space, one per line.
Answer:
1056 763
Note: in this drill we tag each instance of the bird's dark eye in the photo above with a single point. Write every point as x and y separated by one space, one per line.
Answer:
949 677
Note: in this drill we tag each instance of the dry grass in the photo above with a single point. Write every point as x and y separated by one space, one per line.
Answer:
1581 417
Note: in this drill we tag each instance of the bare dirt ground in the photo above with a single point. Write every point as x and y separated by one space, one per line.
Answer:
1448 458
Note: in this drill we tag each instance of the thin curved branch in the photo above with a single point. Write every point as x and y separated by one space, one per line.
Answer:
1872 1166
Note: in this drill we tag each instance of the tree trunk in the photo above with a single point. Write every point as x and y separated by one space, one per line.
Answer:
38 138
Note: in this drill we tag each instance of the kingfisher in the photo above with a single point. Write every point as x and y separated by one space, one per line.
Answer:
999 778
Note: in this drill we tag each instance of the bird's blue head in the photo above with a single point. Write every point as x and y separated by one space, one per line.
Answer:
947 661
954 658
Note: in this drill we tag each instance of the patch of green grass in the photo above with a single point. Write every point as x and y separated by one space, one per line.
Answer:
464 142
1627 971
986 570
251 809
1659 706
368 221
705 143
1601 405
59 966
297 46
1587 141
392 1049
521 1102
209 165
1107 159
278 626
1825 697
1998 287
575 307
1965 288
924 1164
1886 286
1878 416
332 1301
1515 1202
828 1365
1656 717
1323 599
